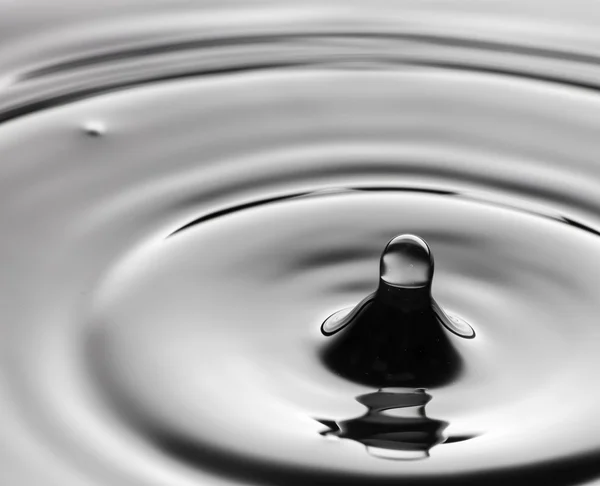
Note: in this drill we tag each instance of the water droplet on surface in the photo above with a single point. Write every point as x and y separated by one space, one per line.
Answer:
406 273
395 337
94 129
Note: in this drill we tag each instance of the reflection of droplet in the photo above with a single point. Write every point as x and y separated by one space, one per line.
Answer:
397 455
94 128
395 425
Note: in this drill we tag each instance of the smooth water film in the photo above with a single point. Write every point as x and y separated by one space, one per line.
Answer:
297 243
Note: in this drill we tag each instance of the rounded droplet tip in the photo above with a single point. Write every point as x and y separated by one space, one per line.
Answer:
407 262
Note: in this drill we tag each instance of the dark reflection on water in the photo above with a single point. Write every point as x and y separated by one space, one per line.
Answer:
394 427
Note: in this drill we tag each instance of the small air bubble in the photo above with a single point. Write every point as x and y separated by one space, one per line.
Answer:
94 129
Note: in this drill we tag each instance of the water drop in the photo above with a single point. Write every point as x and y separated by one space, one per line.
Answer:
406 262
397 335
94 129
406 274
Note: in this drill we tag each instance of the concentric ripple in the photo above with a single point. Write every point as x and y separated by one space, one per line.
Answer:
181 212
